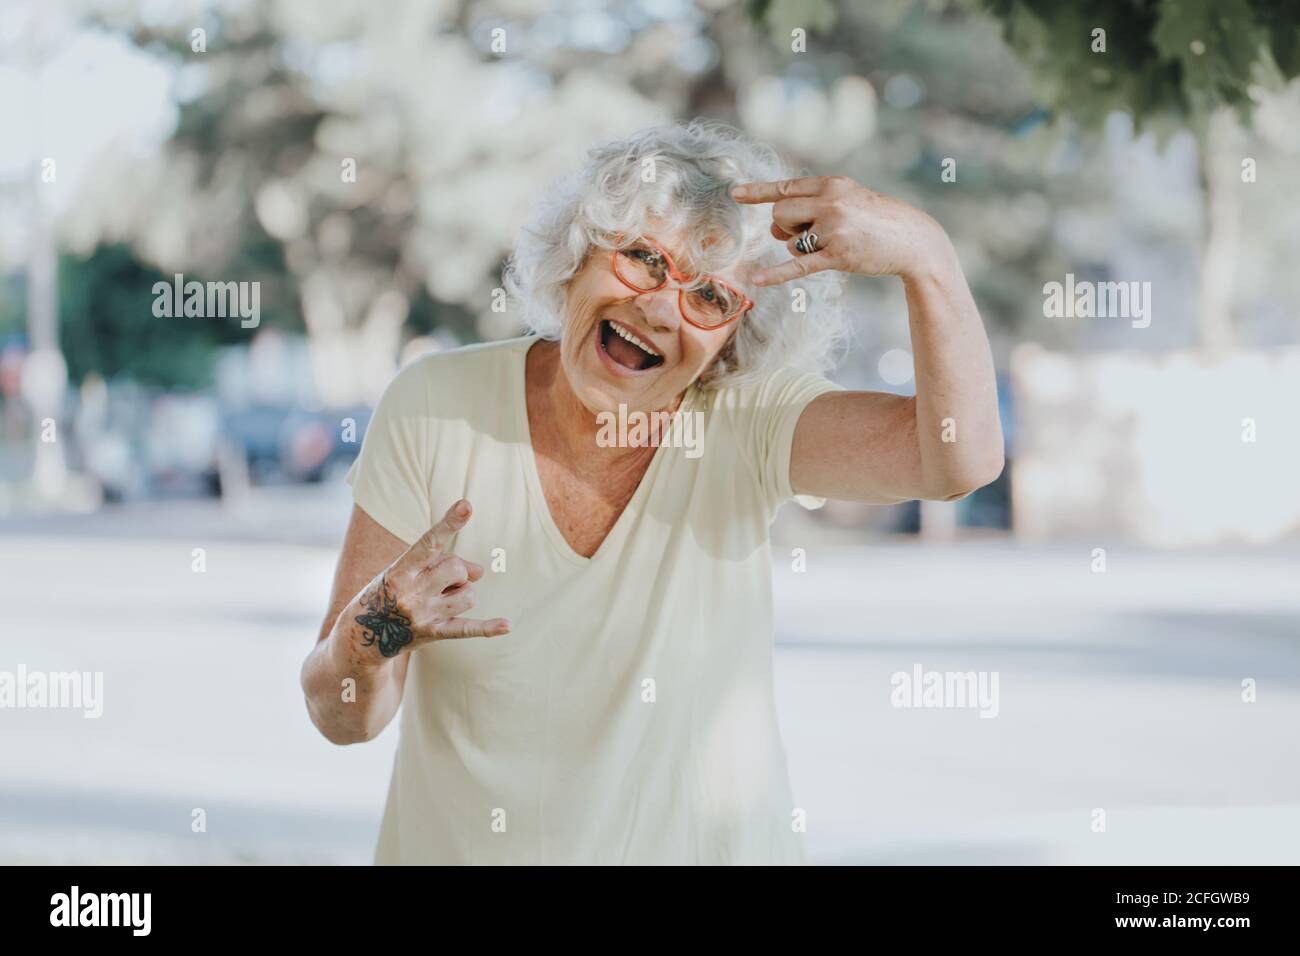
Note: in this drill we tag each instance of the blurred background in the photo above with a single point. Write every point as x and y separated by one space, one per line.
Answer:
171 500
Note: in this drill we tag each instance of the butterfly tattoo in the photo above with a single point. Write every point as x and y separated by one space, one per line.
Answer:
385 625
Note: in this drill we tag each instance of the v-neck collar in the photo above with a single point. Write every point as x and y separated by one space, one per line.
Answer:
534 478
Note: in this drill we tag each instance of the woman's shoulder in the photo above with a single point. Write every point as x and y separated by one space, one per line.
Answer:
470 369
768 390
474 357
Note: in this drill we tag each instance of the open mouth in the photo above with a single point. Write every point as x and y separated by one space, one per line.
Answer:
625 349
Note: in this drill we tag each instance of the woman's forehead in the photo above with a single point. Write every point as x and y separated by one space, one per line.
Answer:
678 246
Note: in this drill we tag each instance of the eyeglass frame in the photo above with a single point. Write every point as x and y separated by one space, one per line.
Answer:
682 280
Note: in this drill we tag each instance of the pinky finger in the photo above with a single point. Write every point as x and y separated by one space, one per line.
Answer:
458 627
795 268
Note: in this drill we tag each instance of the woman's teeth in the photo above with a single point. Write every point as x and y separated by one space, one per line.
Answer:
625 334
626 349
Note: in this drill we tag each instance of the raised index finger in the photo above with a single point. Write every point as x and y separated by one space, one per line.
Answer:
437 538
777 189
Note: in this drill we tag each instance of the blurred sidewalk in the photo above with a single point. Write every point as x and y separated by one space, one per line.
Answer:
1119 691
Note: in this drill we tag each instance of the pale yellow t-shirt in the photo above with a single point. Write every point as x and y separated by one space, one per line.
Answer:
629 715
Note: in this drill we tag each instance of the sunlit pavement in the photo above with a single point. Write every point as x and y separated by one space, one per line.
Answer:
1118 691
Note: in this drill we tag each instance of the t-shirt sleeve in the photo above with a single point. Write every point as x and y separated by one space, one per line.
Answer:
390 478
779 402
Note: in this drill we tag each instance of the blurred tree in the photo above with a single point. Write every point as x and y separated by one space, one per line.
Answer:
1199 65
387 152
102 300
951 123
1194 64
369 164
1163 61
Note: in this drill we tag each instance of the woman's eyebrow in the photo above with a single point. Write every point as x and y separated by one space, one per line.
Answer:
681 260
685 263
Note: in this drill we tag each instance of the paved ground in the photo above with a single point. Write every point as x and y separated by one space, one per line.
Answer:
1118 691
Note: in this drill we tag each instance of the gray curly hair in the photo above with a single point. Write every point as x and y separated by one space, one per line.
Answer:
693 167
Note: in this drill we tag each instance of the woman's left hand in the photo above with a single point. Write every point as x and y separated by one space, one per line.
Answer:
858 230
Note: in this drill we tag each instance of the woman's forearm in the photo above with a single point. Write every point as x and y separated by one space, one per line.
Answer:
352 690
353 677
958 428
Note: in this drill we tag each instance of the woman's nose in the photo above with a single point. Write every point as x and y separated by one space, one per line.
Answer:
660 309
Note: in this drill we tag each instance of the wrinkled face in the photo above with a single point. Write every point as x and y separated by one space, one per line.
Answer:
605 367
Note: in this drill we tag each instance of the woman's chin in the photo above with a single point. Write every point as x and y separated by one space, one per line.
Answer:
601 399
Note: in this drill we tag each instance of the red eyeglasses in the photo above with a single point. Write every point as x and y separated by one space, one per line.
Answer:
705 302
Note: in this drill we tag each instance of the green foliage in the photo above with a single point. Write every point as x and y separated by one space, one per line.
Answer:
107 325
1166 60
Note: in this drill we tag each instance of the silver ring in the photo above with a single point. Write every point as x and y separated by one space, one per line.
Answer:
806 243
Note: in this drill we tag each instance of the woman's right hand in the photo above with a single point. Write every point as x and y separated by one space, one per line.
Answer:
419 597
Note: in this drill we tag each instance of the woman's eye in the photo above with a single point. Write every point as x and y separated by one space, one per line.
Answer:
711 293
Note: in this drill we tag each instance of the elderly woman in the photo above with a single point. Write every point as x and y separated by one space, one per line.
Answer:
577 616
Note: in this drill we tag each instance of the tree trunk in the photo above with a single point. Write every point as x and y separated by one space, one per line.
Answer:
1220 180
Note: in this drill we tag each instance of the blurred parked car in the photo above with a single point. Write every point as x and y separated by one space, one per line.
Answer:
285 444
